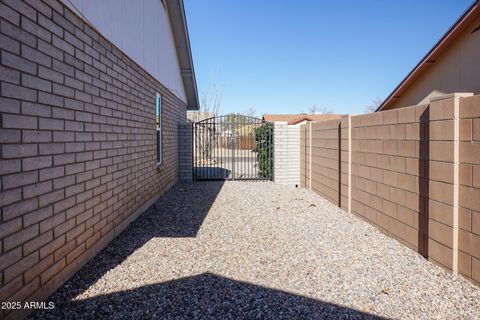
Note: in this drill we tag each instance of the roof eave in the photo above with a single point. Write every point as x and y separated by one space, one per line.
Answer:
178 21
430 58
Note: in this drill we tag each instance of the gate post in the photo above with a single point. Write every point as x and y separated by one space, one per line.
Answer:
185 151
286 153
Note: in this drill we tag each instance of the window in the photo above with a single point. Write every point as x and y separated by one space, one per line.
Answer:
158 117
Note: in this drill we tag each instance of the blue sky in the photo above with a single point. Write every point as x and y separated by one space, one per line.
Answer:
286 56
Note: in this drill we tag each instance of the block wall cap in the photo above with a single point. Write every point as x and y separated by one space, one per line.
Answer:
452 95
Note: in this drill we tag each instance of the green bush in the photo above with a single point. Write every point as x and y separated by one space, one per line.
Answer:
264 149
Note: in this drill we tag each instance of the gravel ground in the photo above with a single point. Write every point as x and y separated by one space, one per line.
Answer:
262 251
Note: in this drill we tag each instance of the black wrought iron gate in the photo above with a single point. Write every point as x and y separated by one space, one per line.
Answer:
233 147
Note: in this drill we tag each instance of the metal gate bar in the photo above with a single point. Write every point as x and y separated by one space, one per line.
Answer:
233 147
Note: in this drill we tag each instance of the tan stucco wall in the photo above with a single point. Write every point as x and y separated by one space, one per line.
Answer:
142 30
456 70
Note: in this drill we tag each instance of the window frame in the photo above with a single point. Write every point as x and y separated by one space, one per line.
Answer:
158 129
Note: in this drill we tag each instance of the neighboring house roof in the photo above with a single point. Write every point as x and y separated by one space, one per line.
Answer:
445 42
310 118
297 118
176 12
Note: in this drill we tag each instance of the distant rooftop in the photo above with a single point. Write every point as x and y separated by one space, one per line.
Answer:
297 118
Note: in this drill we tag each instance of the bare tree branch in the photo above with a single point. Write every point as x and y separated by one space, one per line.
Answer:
374 106
251 112
210 103
316 110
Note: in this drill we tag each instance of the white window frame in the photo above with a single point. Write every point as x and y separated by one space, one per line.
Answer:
159 127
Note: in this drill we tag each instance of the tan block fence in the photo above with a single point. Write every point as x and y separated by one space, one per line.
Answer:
412 172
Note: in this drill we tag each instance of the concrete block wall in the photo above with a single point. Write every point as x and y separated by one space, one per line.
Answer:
469 188
411 172
323 161
78 145
345 163
286 141
185 151
385 172
305 155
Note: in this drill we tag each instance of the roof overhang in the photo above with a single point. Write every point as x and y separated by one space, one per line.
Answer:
178 21
453 33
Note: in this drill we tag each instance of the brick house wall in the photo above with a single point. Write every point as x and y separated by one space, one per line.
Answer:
78 145
185 152
412 172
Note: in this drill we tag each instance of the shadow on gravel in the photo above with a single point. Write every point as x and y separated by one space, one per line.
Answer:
204 296
180 212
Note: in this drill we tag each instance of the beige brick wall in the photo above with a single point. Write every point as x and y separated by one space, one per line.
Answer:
414 173
77 145
286 141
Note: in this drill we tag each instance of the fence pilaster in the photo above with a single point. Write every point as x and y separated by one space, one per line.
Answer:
349 163
310 156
